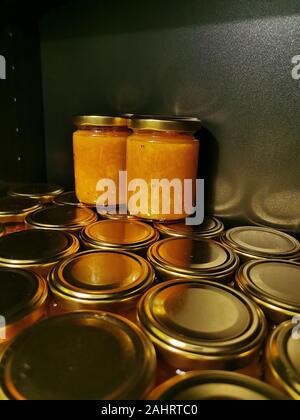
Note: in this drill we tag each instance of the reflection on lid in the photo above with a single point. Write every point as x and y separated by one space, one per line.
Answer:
61 218
215 385
37 190
17 205
261 242
79 356
210 228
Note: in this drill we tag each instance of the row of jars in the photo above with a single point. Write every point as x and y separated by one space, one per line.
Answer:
198 320
148 148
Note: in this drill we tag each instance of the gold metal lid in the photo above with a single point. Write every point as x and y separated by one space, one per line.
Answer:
36 246
119 235
112 213
261 243
202 320
93 278
274 285
283 358
157 123
210 228
69 199
79 356
99 121
197 258
215 385
15 209
2 230
21 293
40 191
68 218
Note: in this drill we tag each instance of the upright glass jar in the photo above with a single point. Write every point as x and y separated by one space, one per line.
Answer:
162 149
78 356
99 146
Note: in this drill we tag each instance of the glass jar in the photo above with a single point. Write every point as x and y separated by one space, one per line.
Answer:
13 211
43 192
64 218
79 356
186 258
23 296
162 149
99 146
260 243
198 325
123 235
215 385
101 280
274 285
69 199
36 249
211 228
282 359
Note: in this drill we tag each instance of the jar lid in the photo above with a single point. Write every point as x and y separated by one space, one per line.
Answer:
99 121
2 230
68 218
283 358
215 385
21 293
78 356
274 285
113 213
198 258
210 228
69 199
101 277
261 242
36 246
15 209
41 191
119 234
188 125
203 320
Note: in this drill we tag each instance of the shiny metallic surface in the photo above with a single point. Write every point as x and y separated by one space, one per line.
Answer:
282 359
101 280
274 285
215 385
211 228
15 209
202 325
126 235
61 218
193 258
36 249
82 355
68 199
43 192
23 296
2 230
254 242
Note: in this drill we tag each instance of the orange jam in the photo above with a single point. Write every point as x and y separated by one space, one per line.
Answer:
162 150
99 147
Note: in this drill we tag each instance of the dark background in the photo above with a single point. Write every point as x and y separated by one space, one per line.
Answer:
228 62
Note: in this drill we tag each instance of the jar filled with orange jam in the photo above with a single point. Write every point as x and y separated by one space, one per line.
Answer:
99 146
162 149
